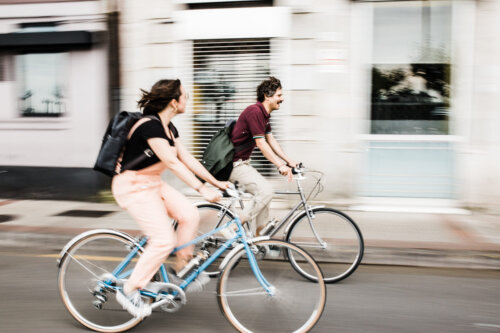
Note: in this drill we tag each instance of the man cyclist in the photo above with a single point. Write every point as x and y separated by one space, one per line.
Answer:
253 125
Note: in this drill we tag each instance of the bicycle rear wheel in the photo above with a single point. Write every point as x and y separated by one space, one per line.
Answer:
85 286
343 246
296 304
212 216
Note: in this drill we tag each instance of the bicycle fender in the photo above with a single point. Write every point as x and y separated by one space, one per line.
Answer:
300 215
85 234
237 248
197 204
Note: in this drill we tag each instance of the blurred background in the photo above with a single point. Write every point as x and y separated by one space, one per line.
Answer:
395 101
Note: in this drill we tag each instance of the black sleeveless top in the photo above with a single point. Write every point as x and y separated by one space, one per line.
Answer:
139 142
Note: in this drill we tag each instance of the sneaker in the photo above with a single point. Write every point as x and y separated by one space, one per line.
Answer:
268 227
258 231
133 303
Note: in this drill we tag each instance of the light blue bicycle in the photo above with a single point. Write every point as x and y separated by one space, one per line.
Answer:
257 291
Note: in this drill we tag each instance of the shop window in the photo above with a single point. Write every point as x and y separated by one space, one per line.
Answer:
411 69
41 78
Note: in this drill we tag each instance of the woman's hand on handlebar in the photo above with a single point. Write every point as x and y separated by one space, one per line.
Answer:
211 195
222 185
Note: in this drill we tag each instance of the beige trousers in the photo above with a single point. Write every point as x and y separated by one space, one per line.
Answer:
152 203
257 185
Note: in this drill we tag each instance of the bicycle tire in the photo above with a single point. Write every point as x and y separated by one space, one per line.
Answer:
211 218
296 305
344 243
81 270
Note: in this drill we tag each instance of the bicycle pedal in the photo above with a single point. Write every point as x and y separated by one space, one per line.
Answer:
171 296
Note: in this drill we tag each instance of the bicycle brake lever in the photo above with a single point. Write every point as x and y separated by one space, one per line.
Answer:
233 193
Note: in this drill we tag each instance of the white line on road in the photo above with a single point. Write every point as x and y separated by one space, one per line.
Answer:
487 325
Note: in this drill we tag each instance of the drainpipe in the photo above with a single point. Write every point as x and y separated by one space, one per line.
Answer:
113 21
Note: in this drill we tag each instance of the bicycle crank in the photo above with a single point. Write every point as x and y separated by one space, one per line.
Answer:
170 297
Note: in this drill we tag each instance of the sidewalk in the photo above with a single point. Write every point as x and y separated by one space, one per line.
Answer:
398 238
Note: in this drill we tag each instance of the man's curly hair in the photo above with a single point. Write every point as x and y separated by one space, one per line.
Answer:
267 88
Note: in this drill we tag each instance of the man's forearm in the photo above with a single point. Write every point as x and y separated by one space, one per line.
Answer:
275 146
268 153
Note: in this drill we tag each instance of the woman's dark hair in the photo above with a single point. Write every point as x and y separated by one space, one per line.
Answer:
267 88
162 92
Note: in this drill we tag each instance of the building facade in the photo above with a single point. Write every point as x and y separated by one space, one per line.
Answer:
54 89
393 100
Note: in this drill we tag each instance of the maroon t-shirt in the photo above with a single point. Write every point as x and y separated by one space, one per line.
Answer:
253 123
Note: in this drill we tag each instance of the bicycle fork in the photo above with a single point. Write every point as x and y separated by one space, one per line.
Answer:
310 216
270 289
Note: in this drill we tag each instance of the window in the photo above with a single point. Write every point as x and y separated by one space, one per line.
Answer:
411 69
206 4
41 78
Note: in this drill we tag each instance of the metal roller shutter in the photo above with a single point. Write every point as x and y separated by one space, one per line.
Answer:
224 77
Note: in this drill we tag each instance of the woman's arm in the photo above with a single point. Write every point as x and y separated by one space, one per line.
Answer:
196 167
168 156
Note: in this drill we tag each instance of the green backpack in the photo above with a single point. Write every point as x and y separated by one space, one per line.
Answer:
219 153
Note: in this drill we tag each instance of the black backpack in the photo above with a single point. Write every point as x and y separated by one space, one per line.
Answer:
114 141
219 153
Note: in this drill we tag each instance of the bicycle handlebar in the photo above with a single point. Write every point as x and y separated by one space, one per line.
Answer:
298 169
233 191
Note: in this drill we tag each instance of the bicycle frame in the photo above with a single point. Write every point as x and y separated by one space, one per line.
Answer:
303 202
121 273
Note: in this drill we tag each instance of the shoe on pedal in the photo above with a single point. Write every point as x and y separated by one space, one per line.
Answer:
133 303
263 230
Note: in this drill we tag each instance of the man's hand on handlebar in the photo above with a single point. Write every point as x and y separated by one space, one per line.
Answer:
298 168
285 170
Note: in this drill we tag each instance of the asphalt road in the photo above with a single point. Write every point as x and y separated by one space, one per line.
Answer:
374 299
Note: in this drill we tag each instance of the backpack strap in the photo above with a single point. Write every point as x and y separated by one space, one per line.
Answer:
147 152
242 147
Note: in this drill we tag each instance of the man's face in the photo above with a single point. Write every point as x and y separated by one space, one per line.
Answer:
181 105
275 100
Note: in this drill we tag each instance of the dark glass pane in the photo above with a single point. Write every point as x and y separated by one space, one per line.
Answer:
42 77
410 99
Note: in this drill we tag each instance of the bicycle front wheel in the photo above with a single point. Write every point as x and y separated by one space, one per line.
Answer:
84 282
339 249
293 304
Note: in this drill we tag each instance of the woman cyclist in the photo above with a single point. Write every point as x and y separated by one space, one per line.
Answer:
151 201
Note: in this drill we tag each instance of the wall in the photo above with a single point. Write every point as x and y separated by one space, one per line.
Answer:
71 140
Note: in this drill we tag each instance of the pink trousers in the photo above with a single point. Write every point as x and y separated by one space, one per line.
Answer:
152 203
